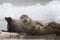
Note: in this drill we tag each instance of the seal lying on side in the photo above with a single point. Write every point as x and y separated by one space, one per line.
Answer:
13 25
55 26
30 26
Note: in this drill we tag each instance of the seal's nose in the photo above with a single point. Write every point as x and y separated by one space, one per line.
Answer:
25 20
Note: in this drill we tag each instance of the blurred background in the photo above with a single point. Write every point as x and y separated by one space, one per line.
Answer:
36 9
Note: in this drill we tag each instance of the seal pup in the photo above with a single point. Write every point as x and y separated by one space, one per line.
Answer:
30 25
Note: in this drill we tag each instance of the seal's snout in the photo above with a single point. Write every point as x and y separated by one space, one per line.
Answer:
25 20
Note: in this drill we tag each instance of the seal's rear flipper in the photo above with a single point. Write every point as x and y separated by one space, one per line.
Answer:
8 19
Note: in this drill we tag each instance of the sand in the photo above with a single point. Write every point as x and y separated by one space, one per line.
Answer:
16 36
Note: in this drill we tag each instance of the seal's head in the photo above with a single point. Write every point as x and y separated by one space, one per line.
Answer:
25 19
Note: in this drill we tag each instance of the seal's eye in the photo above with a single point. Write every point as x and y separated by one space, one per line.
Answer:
22 17
26 16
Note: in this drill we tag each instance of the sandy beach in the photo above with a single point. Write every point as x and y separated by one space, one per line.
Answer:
16 36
